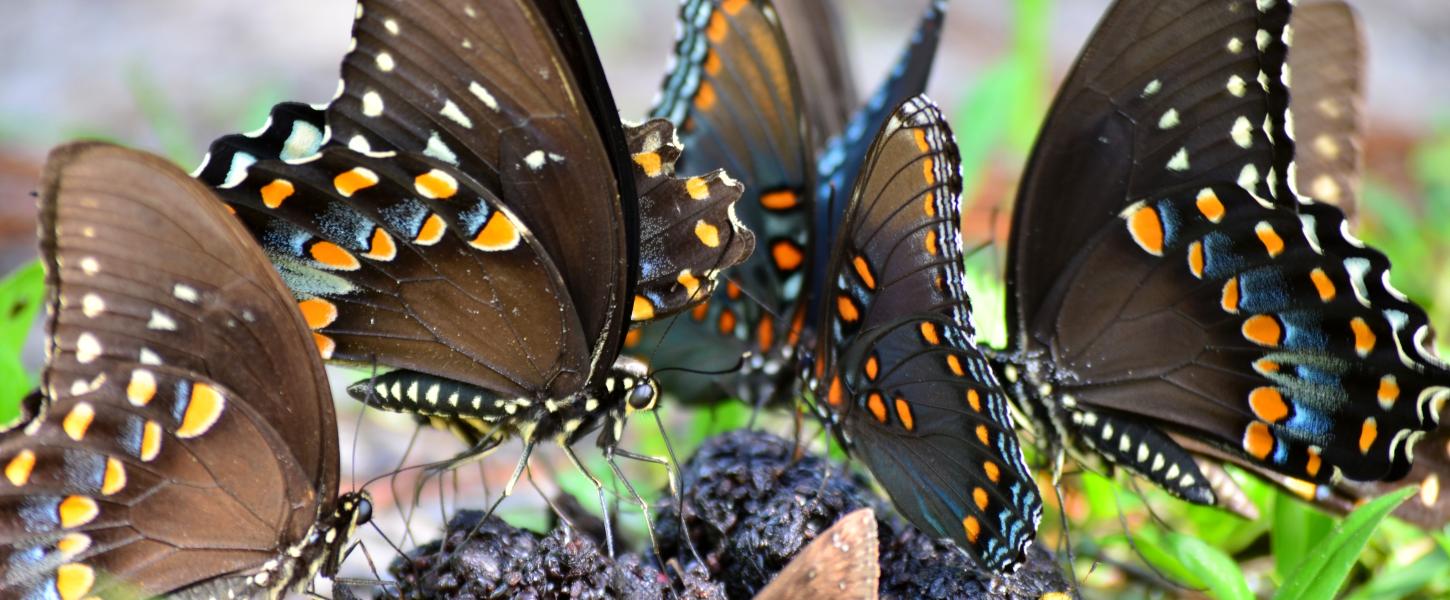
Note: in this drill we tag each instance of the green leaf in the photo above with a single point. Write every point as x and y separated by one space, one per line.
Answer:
1150 545
21 294
1297 530
1212 566
1323 572
1403 581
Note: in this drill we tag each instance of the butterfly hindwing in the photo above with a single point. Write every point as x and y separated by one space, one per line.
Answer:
173 350
898 370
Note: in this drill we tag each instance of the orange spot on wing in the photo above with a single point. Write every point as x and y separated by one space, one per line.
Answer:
325 345
928 171
863 270
877 406
708 234
74 580
1147 230
920 136
436 185
979 496
931 242
1272 242
705 97
1367 434
1389 392
150 441
974 400
984 436
928 204
697 188
1265 366
733 6
929 333
836 395
1303 489
903 412
955 364
141 388
273 194
690 282
1268 404
317 312
700 311
1323 284
1364 338
114 479
873 368
19 468
1263 330
732 290
1211 207
650 163
846 308
643 309
786 255
1195 259
75 511
972 527
499 233
202 411
1312 464
717 29
1230 300
431 231
727 322
1258 440
333 256
354 180
765 333
632 338
797 325
712 63
994 474
779 200
78 420
382 246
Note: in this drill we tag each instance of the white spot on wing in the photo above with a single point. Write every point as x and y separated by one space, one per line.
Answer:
455 114
483 95
160 321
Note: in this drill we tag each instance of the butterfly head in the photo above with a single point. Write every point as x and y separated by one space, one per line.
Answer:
635 387
352 510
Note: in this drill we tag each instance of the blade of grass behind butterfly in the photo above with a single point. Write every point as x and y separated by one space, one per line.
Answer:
21 294
1322 573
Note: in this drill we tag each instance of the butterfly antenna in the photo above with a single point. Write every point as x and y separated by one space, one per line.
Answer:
1132 543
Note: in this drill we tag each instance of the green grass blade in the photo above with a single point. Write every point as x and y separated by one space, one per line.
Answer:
1323 572
1217 570
1297 530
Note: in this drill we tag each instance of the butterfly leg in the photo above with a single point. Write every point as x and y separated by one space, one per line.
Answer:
508 488
599 489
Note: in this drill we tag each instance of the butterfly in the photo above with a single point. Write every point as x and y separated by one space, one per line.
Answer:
185 442
842 562
1327 61
762 103
469 211
896 370
1172 297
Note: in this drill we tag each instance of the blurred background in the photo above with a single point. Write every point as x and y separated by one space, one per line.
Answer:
171 75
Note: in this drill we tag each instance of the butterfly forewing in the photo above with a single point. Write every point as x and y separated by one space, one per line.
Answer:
174 353
899 371
1165 93
1328 63
822 60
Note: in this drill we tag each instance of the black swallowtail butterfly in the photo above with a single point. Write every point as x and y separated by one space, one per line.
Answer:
488 228
1172 296
746 100
186 443
896 369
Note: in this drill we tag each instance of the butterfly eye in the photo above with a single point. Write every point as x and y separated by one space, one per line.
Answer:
364 513
643 396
